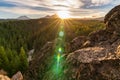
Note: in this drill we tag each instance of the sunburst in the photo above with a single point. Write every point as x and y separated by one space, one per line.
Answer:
63 14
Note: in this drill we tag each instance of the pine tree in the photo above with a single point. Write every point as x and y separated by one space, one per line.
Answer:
15 63
23 60
13 60
9 54
3 59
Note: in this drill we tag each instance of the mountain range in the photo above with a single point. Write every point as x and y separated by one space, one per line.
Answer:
23 18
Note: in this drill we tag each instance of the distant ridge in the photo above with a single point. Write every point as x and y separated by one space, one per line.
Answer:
56 16
51 16
100 18
23 18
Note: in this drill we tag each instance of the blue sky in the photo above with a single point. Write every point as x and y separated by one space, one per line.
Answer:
40 8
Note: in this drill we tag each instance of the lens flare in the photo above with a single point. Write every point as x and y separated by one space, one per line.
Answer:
60 50
58 57
61 33
57 68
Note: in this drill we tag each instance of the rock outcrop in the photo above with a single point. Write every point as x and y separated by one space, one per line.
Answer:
102 60
112 20
3 77
96 57
91 54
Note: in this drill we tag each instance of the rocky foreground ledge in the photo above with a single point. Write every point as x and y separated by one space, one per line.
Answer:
99 56
95 63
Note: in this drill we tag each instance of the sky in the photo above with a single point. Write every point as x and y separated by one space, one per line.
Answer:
41 8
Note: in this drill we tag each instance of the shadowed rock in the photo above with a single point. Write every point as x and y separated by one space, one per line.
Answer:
77 43
111 12
112 31
112 20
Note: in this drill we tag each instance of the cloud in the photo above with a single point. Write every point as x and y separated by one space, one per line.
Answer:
100 2
97 4
43 7
82 13
46 3
19 10
23 2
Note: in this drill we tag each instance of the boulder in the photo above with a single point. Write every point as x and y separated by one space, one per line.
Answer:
17 76
112 30
112 20
111 12
98 36
102 70
3 77
91 54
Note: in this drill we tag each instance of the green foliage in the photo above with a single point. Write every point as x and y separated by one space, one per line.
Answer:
34 34
3 58
30 33
23 60
11 62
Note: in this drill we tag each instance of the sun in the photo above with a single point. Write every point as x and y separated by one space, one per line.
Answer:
63 14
